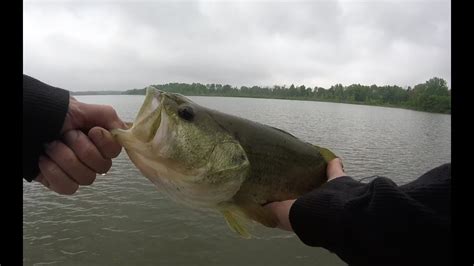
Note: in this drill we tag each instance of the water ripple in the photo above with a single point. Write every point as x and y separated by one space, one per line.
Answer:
124 220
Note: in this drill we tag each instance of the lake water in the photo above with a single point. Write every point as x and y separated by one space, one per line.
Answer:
123 220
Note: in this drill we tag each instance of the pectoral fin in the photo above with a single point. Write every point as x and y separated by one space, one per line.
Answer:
237 223
239 213
257 213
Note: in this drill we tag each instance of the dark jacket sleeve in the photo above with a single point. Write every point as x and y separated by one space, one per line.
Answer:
379 223
44 110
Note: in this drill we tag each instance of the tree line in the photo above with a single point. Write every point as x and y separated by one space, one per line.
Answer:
431 96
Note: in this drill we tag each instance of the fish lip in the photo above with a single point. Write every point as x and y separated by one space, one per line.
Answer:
150 90
157 124
155 94
148 119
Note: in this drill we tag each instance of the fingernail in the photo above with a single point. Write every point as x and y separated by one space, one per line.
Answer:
102 134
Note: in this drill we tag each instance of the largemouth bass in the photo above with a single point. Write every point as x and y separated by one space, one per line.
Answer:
208 159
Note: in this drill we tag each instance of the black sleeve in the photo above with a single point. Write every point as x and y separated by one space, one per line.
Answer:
379 223
44 110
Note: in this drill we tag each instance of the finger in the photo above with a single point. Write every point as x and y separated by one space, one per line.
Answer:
281 210
86 151
105 142
58 180
65 158
101 115
335 169
40 178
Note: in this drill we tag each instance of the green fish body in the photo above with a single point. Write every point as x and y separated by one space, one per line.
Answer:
208 159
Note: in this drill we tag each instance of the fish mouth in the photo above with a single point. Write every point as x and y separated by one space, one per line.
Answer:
147 121
149 116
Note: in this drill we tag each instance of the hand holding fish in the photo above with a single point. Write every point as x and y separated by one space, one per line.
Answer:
281 209
76 158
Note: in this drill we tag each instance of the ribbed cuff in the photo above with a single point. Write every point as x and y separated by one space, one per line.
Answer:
44 108
44 111
317 217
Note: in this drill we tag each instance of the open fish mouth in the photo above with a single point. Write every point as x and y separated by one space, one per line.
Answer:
149 118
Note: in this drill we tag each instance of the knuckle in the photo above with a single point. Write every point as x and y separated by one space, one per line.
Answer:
69 159
52 169
84 148
88 151
63 155
71 137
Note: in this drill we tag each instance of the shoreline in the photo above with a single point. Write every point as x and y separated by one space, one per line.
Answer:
277 98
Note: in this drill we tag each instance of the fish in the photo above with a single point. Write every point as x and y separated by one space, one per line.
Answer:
207 159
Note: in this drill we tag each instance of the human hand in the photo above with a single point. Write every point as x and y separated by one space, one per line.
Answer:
76 158
335 169
281 209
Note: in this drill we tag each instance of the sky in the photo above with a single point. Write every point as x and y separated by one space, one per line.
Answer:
87 45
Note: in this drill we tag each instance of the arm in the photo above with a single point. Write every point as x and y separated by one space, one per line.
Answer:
378 223
65 141
44 110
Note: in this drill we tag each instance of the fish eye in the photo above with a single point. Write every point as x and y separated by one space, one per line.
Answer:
186 113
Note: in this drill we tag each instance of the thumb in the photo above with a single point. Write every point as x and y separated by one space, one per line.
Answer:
104 116
335 169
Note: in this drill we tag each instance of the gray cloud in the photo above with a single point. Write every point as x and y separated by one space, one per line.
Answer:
118 45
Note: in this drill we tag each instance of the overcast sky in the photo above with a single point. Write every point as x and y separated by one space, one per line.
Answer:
117 45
